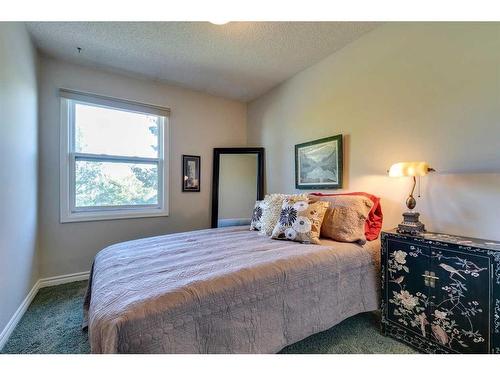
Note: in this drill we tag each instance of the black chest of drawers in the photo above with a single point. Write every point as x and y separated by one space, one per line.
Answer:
441 293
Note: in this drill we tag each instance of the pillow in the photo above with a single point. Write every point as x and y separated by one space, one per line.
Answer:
300 220
271 211
345 218
373 224
256 223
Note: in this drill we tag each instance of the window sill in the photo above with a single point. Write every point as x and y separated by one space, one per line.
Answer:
81 216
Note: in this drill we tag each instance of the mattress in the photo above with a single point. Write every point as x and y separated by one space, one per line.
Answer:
225 290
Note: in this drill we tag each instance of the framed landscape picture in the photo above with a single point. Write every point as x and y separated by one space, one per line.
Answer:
191 173
318 164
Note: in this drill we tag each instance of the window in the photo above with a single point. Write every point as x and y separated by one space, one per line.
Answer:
113 158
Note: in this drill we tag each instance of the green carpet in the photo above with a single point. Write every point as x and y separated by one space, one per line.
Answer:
52 325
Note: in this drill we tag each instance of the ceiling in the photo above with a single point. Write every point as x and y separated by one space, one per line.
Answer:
238 60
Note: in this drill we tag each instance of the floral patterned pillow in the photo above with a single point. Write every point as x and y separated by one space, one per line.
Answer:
256 223
271 207
300 220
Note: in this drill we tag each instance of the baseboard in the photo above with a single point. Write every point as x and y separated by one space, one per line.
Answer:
233 222
11 325
63 279
41 283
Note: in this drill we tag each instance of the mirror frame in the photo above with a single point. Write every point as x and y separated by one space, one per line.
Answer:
259 151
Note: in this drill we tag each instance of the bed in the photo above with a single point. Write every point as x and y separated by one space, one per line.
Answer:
225 290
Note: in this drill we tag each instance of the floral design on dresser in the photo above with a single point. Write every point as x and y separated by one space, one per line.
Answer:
496 257
444 326
441 316
397 262
409 309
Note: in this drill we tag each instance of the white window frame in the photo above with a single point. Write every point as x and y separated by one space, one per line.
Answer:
68 210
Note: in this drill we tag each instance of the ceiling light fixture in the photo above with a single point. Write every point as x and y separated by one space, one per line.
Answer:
219 22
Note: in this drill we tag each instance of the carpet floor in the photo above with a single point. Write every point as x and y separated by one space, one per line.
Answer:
52 325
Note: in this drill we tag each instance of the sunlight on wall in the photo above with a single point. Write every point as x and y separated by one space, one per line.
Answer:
404 91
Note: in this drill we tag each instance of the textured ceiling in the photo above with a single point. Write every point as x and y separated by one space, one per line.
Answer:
239 60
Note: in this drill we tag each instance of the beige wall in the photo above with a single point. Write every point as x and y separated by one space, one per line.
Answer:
237 185
198 123
415 91
18 168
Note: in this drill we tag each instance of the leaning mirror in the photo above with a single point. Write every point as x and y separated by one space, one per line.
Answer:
238 181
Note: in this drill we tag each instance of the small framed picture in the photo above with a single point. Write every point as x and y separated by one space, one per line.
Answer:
191 173
318 164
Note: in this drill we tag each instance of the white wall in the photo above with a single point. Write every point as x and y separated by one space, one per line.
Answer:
198 123
18 168
403 92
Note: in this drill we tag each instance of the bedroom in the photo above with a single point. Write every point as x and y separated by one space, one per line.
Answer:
123 146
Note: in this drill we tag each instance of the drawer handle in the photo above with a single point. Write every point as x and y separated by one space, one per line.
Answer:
430 279
426 278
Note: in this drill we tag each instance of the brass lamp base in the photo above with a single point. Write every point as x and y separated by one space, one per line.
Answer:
411 224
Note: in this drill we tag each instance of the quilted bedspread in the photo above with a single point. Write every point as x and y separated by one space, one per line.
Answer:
226 290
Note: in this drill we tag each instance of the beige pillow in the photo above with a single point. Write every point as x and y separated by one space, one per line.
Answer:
300 220
271 209
345 218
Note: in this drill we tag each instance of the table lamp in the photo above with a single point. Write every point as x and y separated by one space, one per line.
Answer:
410 223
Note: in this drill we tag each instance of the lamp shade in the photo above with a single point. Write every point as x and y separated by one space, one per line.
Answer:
412 168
